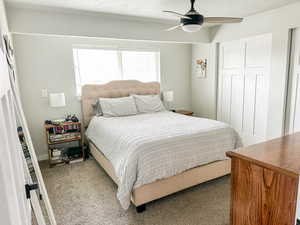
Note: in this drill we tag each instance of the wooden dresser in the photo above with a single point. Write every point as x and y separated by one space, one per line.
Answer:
264 182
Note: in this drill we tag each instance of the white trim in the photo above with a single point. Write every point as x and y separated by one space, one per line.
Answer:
116 47
87 46
101 38
158 67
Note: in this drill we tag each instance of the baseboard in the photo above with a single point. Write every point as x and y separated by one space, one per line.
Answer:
42 157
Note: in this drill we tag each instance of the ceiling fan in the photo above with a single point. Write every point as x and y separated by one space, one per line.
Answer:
192 21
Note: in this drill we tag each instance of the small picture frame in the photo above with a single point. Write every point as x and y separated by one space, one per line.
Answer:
201 67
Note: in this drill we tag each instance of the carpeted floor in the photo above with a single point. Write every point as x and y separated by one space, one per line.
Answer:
82 194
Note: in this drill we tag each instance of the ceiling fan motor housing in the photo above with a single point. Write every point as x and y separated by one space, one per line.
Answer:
195 19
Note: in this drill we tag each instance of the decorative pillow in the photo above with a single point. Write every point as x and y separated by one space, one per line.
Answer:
118 106
97 108
148 103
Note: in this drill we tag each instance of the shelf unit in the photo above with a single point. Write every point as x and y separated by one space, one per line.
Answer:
64 136
27 154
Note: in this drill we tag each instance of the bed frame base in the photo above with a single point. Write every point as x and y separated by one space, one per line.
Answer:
161 188
141 208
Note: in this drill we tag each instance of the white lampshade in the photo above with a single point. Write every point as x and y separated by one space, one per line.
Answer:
168 96
191 28
57 100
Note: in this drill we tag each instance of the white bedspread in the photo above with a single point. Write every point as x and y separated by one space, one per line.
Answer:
147 147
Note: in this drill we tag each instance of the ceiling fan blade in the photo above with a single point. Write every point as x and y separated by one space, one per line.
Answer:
178 14
222 20
173 28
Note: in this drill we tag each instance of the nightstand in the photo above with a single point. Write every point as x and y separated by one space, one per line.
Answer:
185 112
65 143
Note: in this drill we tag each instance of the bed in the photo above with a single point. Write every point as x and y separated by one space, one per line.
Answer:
150 156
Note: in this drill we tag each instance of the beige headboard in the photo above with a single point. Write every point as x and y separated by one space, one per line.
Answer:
114 89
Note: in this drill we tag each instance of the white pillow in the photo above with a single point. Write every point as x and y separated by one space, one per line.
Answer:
148 103
118 106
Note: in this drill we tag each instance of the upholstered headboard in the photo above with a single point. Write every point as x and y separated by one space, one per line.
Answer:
114 89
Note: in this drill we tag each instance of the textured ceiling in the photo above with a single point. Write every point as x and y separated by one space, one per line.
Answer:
153 8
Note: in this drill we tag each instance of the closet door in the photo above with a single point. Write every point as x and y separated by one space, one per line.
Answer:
293 104
244 68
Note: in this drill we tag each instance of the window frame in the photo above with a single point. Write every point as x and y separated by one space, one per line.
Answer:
119 50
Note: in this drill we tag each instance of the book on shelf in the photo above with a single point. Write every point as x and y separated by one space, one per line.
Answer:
64 128
60 137
56 152
76 160
56 158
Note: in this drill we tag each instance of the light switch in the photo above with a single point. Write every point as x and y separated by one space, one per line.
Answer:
45 93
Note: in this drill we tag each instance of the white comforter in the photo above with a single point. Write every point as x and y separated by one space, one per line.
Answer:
147 147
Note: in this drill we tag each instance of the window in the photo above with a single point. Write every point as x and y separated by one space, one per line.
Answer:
99 66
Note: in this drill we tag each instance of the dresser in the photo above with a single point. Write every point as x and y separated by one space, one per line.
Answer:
264 182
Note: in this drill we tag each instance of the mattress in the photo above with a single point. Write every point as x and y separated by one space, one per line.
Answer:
147 147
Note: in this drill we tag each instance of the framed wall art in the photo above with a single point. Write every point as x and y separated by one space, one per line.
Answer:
201 67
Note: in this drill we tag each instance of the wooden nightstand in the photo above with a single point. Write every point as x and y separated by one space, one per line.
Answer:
61 140
185 112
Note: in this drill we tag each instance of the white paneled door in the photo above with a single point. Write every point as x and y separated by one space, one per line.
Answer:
15 203
293 104
15 209
244 73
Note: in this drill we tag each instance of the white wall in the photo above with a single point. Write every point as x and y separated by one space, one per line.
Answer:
46 62
204 100
277 22
91 24
3 20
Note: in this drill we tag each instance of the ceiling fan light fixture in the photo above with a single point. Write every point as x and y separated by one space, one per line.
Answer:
192 21
191 28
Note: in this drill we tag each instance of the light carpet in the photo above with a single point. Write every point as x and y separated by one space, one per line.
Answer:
83 194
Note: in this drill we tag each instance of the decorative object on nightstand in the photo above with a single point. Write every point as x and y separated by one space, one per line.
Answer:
184 112
65 143
168 97
72 118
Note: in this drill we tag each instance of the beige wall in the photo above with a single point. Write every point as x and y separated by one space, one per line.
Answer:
46 62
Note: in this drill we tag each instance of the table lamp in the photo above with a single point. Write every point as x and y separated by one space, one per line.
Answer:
57 100
168 97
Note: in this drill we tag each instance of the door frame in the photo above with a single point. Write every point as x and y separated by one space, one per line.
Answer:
16 109
289 83
42 187
15 207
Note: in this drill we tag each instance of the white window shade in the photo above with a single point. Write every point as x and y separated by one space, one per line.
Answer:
99 66
141 66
